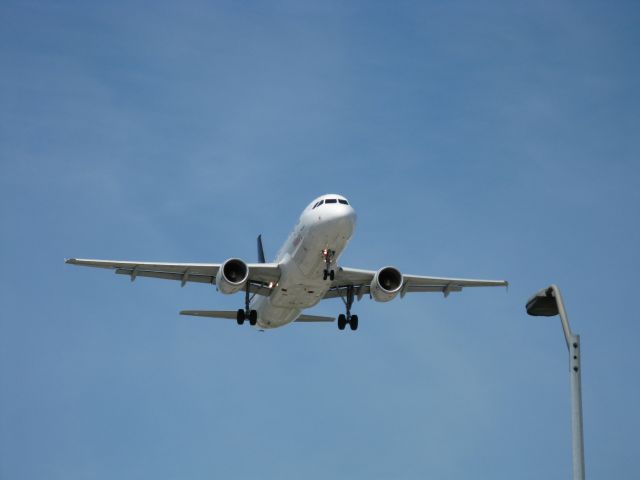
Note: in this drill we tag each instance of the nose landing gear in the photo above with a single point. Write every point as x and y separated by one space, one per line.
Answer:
328 272
351 320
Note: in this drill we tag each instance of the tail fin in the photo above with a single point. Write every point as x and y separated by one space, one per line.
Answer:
261 258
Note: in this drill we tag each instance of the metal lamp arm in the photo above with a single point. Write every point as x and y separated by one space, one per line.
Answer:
568 335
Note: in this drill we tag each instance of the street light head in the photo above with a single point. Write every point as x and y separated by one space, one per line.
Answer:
543 304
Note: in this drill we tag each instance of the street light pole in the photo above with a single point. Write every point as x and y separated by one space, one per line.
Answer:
548 302
573 345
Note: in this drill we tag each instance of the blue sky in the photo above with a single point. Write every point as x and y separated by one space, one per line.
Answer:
490 140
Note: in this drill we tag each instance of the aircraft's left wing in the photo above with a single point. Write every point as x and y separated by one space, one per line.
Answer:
360 280
260 274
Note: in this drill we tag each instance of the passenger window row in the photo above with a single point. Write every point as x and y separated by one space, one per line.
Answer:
330 200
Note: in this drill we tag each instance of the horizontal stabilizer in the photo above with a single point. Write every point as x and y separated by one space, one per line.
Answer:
232 315
314 318
228 314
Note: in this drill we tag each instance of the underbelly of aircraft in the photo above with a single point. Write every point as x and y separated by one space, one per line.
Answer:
273 317
301 285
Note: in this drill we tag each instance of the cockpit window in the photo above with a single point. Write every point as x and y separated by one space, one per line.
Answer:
331 200
342 201
318 204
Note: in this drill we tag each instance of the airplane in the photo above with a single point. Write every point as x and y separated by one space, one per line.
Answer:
304 271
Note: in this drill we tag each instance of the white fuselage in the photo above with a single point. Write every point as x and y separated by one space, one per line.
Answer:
328 226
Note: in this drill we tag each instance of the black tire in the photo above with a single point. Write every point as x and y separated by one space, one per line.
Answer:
325 274
332 275
253 317
240 317
342 321
353 323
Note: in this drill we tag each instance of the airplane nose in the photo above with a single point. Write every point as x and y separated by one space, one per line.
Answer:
343 217
351 217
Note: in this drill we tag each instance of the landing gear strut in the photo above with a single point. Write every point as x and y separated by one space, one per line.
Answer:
343 319
252 315
328 260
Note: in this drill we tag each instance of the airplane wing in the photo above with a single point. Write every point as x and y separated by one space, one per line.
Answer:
360 280
260 274
231 315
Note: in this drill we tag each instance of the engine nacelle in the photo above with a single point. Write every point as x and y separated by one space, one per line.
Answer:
232 276
386 284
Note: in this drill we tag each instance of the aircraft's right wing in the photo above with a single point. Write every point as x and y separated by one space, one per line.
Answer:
260 274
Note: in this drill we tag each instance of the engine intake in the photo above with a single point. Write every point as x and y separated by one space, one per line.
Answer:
232 276
386 284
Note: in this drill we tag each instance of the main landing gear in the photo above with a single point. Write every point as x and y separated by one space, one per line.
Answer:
247 314
328 272
343 319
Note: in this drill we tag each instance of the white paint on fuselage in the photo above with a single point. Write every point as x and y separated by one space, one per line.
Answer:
301 283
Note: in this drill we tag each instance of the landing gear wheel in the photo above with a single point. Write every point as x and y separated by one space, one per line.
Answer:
253 317
328 274
240 317
343 319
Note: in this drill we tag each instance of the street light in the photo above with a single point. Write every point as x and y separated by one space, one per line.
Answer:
548 303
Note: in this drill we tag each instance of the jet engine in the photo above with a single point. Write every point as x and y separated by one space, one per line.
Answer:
386 284
232 276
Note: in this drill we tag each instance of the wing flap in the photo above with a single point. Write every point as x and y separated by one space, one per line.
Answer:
168 275
431 288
